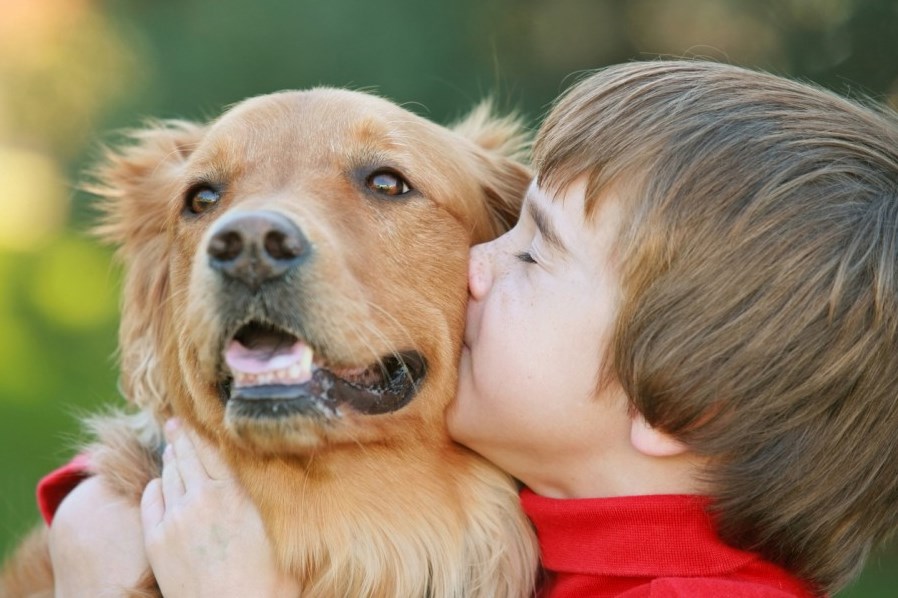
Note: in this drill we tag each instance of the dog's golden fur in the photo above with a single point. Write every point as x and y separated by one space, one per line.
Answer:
355 504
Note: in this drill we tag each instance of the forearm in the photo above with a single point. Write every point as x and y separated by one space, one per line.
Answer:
96 542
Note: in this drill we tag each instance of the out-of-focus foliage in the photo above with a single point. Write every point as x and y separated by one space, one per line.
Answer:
73 71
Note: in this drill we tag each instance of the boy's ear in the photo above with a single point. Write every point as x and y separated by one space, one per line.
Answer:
652 442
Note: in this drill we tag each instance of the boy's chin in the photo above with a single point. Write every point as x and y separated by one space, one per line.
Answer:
455 422
463 427
468 430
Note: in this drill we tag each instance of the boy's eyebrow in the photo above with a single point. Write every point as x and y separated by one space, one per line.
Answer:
545 227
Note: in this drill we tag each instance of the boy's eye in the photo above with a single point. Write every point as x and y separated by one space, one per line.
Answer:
526 257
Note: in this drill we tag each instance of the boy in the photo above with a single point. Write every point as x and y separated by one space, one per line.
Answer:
687 348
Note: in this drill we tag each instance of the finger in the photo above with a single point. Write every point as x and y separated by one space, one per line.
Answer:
152 505
210 457
172 484
186 459
172 428
197 458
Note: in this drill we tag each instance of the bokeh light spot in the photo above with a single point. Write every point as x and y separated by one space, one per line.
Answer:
34 201
73 285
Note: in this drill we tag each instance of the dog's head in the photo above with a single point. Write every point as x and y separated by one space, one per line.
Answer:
295 270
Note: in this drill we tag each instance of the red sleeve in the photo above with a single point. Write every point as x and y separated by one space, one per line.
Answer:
56 485
698 587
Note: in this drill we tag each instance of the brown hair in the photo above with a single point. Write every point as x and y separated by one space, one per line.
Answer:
759 266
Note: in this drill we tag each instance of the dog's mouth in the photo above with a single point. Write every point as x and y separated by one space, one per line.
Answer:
272 373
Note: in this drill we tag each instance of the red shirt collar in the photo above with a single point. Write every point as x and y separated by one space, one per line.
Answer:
635 536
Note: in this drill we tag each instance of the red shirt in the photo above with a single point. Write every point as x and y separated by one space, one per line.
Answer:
57 484
646 546
660 546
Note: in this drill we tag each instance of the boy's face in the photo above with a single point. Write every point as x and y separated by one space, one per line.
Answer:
543 302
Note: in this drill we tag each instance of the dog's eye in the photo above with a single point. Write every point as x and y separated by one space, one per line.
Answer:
201 198
387 182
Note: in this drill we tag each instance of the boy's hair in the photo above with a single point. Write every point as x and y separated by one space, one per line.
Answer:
759 266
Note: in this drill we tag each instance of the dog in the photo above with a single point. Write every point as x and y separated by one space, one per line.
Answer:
295 289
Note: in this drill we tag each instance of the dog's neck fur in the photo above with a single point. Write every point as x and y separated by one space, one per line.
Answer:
448 549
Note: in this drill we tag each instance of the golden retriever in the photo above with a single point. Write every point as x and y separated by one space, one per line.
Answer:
295 287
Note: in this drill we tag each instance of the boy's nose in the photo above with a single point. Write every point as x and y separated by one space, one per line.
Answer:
479 271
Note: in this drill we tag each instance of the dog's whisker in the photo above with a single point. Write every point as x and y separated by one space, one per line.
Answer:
361 329
393 352
393 320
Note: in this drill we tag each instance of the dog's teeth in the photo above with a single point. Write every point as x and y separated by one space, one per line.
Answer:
297 373
306 362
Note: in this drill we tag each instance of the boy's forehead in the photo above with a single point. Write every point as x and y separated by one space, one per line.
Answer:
547 195
532 189
542 195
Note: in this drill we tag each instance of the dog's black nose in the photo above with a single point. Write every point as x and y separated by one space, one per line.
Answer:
255 247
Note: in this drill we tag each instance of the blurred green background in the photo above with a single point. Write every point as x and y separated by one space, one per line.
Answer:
74 71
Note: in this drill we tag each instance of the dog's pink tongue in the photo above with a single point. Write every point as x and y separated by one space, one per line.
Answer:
296 358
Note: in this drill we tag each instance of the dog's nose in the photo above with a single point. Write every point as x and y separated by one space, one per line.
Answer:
256 247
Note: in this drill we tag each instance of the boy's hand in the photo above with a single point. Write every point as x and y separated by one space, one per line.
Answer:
95 542
203 535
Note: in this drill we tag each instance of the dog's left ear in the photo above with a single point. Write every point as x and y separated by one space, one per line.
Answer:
139 190
502 152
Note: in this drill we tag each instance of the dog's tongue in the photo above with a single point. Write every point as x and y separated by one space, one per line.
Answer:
269 365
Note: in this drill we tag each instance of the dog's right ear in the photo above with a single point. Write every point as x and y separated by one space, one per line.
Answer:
503 149
137 185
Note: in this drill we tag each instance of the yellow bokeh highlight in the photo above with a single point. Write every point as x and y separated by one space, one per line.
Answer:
34 201
61 62
73 285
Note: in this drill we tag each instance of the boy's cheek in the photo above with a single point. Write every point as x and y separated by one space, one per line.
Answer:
461 408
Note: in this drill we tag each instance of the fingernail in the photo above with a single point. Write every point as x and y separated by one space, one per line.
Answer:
172 428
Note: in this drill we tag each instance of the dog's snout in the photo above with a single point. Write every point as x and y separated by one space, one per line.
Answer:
256 247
